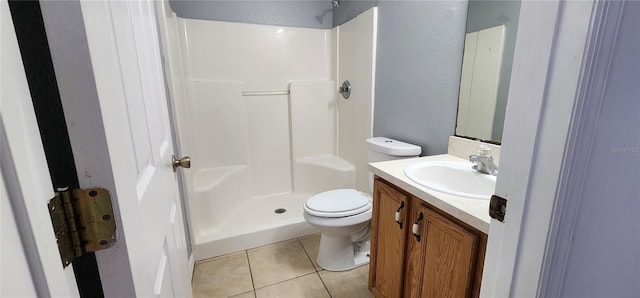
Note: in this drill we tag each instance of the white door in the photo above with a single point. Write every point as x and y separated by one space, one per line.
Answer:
123 44
29 261
544 85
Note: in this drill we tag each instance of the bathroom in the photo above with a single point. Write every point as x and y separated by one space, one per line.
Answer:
419 105
408 99
307 60
396 52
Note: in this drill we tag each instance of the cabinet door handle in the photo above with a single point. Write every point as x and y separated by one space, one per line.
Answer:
416 228
398 218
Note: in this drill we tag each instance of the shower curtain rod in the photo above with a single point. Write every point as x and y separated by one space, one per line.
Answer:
264 93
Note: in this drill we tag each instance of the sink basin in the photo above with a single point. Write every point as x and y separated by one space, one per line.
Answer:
452 177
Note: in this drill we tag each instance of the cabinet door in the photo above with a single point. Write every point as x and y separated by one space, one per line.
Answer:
387 240
450 253
416 248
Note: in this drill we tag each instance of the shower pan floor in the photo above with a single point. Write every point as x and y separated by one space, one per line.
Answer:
255 223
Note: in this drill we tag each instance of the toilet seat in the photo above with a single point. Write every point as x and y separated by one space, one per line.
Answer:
337 203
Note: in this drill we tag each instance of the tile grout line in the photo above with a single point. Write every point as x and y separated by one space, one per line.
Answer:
308 256
246 250
216 258
290 279
291 240
253 285
314 267
277 242
324 284
254 294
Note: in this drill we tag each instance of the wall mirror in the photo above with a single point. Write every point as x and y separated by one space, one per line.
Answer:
486 68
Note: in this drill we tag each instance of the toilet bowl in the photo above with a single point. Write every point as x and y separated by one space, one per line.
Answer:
343 217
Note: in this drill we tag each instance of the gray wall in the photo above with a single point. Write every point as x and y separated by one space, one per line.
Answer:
299 13
485 14
419 57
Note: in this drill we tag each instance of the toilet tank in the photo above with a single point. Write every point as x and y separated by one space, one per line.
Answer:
381 149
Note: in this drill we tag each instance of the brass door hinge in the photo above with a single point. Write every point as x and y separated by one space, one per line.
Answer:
497 208
83 222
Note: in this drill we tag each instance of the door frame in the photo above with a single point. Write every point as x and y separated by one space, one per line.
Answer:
553 66
594 99
48 107
25 175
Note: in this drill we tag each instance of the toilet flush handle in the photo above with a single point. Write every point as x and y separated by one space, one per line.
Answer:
398 218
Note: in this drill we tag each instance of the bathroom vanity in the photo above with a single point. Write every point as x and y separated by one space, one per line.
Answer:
424 243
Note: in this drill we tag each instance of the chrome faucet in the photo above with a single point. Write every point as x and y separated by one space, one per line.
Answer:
483 163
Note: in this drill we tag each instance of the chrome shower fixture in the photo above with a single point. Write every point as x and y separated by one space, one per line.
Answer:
335 3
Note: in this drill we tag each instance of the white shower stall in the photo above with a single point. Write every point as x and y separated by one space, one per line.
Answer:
257 108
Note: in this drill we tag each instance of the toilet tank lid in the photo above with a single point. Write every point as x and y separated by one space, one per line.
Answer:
392 147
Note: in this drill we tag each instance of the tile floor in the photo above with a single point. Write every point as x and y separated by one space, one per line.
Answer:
283 269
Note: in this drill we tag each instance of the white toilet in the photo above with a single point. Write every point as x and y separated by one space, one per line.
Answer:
343 215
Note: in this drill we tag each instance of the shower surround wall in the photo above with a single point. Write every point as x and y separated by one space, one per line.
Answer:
256 107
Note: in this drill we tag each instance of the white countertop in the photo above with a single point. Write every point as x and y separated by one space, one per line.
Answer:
474 212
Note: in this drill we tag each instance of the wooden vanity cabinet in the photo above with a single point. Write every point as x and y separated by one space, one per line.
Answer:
443 259
388 235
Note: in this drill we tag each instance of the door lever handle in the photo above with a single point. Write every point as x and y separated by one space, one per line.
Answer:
184 162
